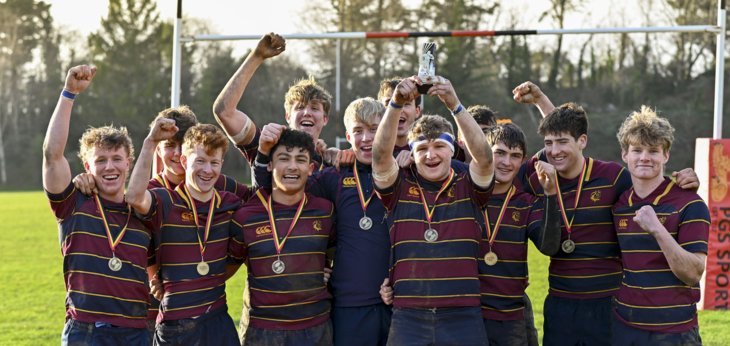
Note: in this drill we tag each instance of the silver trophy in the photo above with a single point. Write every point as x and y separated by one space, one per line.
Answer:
427 67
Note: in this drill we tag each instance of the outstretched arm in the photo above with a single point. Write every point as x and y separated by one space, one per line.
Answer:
239 127
481 168
56 170
385 168
530 93
137 194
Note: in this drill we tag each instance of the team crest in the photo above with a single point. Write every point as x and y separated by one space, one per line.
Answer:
596 196
413 191
515 216
451 192
623 223
348 182
317 225
662 219
263 230
187 216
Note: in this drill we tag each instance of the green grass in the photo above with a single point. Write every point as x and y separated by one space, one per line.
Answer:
32 302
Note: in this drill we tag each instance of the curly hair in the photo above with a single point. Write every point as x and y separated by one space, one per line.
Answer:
209 136
305 91
295 139
568 118
184 119
645 128
106 137
430 126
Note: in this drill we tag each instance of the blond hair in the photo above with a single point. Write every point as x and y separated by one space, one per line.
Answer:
209 136
364 110
306 90
645 128
105 137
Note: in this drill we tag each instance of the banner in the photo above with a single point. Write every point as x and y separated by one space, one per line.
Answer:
712 164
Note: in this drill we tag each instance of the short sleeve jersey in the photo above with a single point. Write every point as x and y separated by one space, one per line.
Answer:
593 269
444 272
296 298
651 297
189 294
94 292
503 284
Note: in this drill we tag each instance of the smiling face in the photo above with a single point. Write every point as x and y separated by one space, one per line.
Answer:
170 151
360 136
433 160
290 168
645 162
110 167
309 117
202 168
410 112
565 153
507 162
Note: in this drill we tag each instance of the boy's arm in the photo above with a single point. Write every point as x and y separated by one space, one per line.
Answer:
385 168
481 166
137 194
530 93
239 127
56 170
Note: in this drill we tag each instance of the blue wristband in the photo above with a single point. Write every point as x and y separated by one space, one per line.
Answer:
458 110
67 94
395 105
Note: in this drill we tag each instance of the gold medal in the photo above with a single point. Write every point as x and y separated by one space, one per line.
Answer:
278 266
203 268
115 264
431 235
568 246
490 258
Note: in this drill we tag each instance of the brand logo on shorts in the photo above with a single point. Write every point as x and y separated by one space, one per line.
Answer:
623 223
263 230
317 225
348 182
413 191
187 216
515 216
596 196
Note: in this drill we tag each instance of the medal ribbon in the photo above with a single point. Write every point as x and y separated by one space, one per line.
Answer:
491 235
211 212
363 202
429 212
112 242
164 181
579 189
268 206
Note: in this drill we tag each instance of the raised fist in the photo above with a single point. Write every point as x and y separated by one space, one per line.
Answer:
79 78
406 90
270 134
162 129
270 46
646 219
527 92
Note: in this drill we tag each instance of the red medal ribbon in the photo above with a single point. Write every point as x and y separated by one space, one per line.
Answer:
579 189
429 212
211 212
491 235
363 202
268 206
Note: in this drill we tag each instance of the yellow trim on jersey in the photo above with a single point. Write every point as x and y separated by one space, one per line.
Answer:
291 321
287 292
104 258
106 276
654 307
195 290
287 305
292 274
416 259
109 297
585 276
108 313
197 306
586 292
439 297
437 279
504 277
461 240
287 254
500 295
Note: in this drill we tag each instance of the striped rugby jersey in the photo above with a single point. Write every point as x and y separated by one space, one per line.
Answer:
443 273
593 270
504 284
95 293
187 293
651 297
296 298
224 183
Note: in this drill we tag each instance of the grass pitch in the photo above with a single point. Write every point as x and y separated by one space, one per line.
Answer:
33 293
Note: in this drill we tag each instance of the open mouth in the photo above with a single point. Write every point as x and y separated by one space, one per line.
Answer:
290 177
401 121
110 177
367 148
206 179
306 123
432 164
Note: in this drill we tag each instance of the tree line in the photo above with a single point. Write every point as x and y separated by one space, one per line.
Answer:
610 75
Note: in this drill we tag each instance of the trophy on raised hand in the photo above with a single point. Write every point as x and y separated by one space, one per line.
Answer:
427 67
